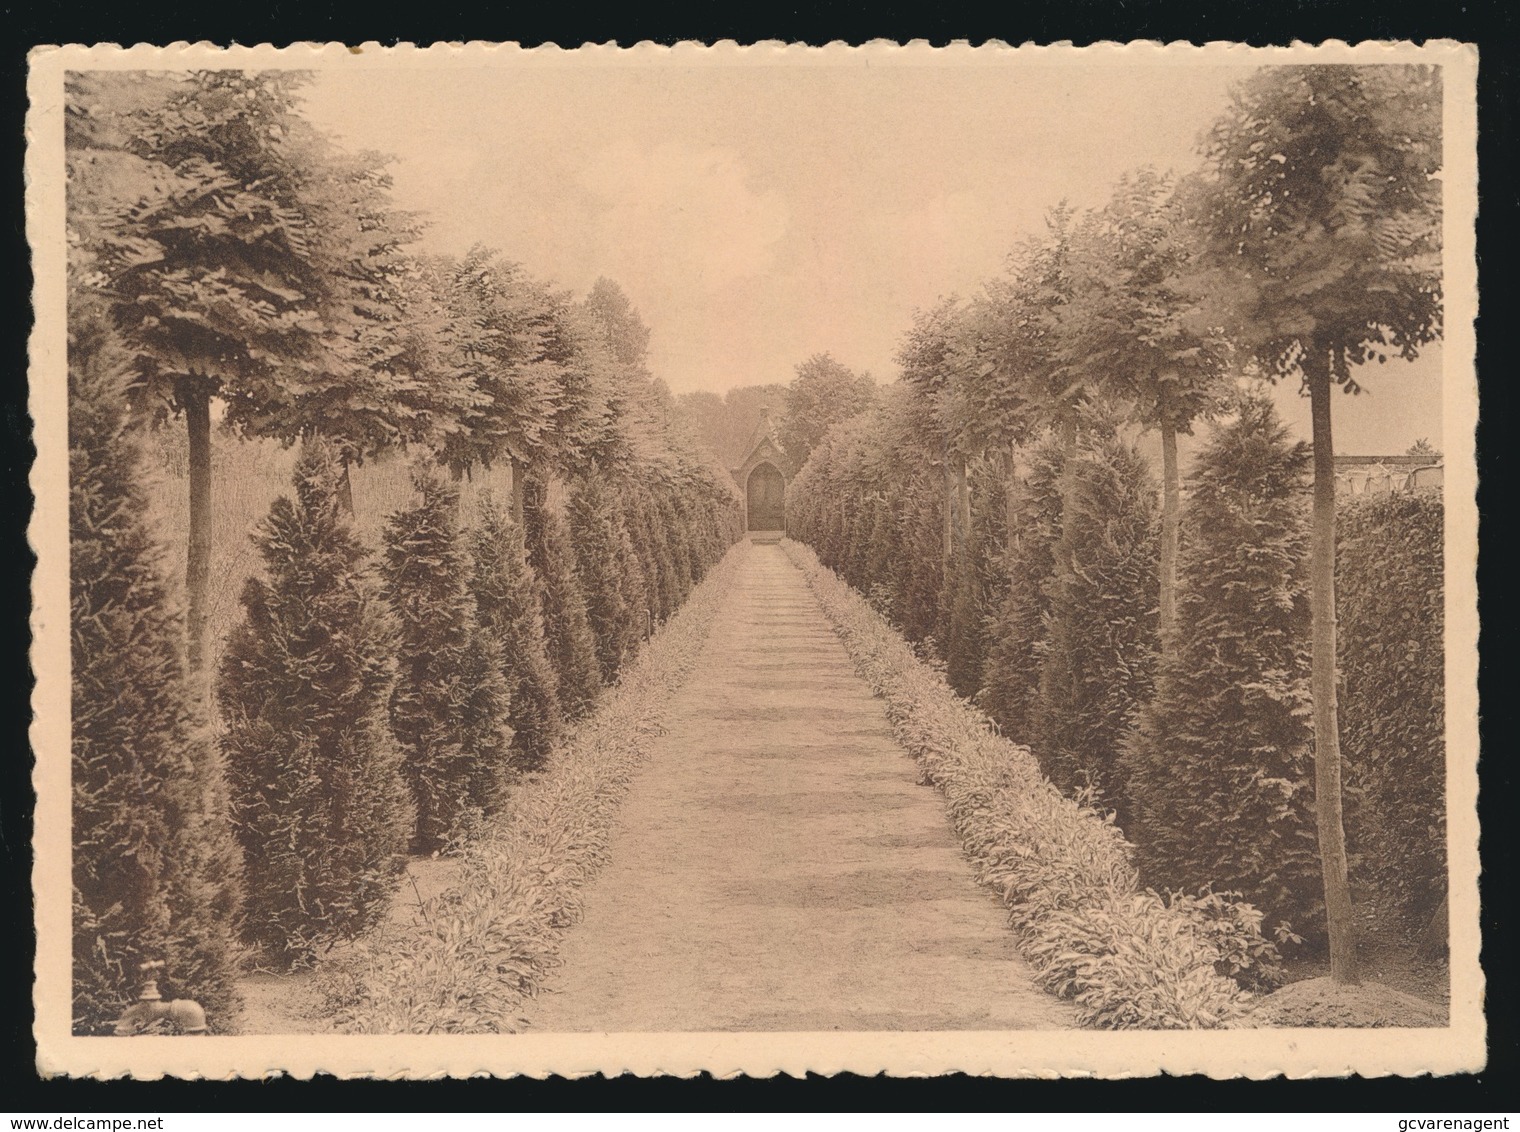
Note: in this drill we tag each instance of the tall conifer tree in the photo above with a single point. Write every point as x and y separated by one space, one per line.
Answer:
1219 769
156 874
509 603
318 799
1099 646
572 644
449 707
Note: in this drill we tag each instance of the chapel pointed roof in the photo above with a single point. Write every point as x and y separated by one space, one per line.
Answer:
763 446
765 429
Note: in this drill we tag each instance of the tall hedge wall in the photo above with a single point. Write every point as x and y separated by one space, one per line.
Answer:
1390 603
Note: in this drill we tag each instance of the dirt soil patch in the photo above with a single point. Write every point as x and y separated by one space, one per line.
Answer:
292 1003
1320 1002
778 866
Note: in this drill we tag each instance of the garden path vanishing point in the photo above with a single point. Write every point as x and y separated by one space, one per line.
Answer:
777 864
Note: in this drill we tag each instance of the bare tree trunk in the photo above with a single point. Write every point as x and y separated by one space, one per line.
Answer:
1171 503
345 487
1011 502
519 482
963 503
1433 940
1339 913
1068 480
949 523
197 407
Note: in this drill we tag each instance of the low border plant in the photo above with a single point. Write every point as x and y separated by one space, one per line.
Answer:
1127 957
489 940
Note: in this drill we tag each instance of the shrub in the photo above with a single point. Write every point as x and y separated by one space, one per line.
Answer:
1011 672
319 804
1219 769
964 640
603 570
156 875
990 485
449 706
1126 957
509 605
572 644
1098 646
878 567
1390 601
673 536
688 544
921 574
635 583
659 566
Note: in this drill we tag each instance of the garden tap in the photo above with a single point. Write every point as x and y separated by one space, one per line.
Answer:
150 1007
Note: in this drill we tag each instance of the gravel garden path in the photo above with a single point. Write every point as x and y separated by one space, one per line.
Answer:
777 864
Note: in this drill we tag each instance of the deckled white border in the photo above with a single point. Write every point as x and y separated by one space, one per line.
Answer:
1250 1053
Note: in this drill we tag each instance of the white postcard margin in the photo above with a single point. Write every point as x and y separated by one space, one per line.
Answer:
1460 1047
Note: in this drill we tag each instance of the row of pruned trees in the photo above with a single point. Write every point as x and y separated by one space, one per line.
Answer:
1307 245
251 265
227 260
378 709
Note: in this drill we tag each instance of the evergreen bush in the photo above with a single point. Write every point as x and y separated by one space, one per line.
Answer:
921 572
673 534
450 704
689 519
660 567
964 639
156 874
597 534
1099 642
635 579
1219 769
572 644
881 563
1011 673
509 605
319 803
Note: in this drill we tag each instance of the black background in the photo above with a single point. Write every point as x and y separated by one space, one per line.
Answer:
1491 24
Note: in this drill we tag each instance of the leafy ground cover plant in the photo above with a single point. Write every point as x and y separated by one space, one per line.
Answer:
1129 958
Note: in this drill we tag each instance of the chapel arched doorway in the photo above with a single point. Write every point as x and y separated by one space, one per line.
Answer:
766 499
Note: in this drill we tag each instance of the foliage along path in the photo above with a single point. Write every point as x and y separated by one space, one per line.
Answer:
778 866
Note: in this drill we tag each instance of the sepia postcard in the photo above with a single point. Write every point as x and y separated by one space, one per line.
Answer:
755 559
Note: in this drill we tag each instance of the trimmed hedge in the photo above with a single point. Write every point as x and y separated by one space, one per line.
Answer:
493 936
1011 671
1128 958
611 575
1390 587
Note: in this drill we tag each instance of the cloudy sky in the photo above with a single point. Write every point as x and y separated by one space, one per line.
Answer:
759 213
